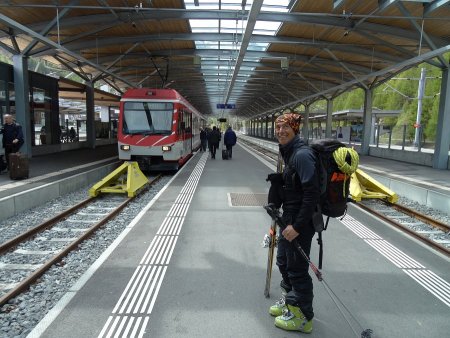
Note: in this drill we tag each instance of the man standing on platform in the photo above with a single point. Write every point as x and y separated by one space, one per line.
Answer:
214 140
203 139
229 138
301 193
12 136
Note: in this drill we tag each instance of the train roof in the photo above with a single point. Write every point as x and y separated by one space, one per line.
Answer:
157 94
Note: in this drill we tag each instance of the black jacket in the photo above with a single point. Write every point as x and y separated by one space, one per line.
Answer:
11 132
301 183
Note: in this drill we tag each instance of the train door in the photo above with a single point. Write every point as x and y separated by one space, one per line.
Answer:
183 130
192 131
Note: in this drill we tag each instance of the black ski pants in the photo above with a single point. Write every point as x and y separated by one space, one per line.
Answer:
294 271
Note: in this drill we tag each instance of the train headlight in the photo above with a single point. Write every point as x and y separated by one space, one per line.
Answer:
125 147
166 148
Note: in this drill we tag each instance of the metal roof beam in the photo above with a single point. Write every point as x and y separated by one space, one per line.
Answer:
251 21
404 51
95 77
383 4
9 49
422 33
434 5
49 26
295 17
344 66
337 4
11 23
391 69
114 41
250 54
44 49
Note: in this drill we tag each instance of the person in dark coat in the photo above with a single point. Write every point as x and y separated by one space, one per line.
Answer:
203 139
301 193
229 138
12 137
214 140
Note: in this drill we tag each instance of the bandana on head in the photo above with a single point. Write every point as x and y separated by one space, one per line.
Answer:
291 119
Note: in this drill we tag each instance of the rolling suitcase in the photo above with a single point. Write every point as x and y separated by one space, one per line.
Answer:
18 166
225 154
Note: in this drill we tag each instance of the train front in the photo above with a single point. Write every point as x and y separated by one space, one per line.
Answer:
148 131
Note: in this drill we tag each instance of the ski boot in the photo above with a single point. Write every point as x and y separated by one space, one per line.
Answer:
277 308
293 319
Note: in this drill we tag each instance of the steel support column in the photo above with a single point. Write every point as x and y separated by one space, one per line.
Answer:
267 126
306 124
273 126
22 100
440 160
90 115
328 126
367 122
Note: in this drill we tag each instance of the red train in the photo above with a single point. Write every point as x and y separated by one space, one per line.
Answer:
158 128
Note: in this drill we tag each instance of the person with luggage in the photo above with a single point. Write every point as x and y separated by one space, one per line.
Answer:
229 138
203 139
12 137
301 193
214 141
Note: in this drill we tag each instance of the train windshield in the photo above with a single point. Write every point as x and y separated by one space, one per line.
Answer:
147 117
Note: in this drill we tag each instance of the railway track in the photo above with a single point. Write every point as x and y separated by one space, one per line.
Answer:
428 230
50 241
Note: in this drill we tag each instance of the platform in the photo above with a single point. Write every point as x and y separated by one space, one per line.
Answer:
54 175
192 266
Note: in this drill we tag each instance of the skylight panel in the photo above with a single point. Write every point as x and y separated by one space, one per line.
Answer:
233 26
222 65
257 46
207 44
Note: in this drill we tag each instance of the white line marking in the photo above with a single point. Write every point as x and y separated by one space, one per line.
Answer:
434 284
142 295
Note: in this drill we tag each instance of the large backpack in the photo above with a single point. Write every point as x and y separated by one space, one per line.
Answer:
335 163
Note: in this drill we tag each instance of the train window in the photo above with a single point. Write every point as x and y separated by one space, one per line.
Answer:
147 118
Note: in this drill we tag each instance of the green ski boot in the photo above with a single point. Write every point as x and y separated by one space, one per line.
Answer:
277 308
293 319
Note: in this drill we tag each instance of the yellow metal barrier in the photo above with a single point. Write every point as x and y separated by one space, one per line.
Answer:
364 186
127 179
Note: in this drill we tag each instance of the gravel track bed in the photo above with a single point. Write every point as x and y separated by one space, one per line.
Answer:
24 312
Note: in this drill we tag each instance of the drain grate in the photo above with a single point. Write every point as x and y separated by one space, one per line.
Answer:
247 200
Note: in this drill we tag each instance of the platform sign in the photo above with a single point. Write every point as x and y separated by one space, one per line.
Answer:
226 106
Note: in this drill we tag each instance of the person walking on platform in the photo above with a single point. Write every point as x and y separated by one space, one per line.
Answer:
214 140
301 193
12 137
203 139
229 138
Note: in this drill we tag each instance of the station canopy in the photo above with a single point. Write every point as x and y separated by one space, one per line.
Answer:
252 57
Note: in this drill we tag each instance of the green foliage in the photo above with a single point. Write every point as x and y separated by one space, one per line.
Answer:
401 93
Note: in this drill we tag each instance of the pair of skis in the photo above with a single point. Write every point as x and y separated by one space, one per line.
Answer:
270 239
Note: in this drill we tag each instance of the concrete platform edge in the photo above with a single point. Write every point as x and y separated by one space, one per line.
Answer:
25 200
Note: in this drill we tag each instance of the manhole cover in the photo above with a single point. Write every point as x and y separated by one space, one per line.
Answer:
247 200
